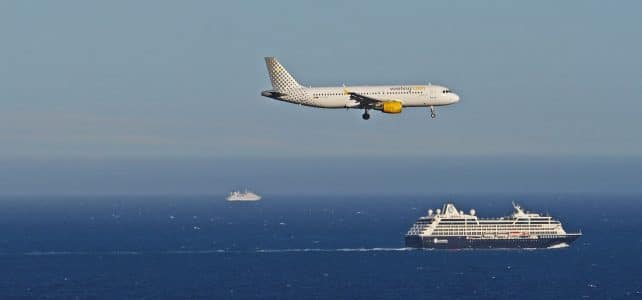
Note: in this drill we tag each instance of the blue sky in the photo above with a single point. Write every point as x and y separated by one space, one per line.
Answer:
182 78
136 97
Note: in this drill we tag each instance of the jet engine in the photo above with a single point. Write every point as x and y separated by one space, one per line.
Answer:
391 107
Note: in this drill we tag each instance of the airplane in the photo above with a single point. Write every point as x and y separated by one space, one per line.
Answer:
390 99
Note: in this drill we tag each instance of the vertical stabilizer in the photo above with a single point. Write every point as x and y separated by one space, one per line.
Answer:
280 78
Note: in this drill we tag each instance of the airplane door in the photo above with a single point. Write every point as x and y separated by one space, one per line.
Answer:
432 95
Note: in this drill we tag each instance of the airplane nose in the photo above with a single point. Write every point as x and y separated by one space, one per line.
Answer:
455 98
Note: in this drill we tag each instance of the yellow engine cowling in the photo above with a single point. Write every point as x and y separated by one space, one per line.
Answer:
391 107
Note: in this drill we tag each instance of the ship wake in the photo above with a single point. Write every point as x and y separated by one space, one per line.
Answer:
204 252
333 250
558 246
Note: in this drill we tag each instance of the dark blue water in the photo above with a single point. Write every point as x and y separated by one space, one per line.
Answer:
303 248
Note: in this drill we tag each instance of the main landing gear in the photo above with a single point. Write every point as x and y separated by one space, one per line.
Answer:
432 112
366 115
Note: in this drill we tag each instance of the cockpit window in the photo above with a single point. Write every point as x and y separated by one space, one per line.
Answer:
446 91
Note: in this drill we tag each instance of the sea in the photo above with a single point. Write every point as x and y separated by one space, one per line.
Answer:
305 247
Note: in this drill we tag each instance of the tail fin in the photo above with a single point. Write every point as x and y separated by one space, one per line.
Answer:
281 79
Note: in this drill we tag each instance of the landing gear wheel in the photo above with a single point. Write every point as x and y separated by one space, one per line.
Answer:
433 115
432 112
365 116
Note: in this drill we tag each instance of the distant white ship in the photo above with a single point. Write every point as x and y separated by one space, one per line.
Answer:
243 196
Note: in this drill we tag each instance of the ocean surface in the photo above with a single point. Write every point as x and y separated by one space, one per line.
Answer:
202 247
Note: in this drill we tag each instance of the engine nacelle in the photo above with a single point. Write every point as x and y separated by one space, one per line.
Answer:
391 107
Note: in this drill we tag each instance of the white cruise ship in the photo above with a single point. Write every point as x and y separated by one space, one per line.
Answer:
452 229
243 196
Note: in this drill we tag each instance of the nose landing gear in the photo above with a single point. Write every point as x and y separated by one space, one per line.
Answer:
432 112
366 115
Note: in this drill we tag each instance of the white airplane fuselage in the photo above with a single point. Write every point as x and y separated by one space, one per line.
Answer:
339 97
385 98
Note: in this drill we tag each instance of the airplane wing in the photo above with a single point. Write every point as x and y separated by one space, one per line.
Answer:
365 101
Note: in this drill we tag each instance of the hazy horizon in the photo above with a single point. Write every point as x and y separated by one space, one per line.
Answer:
321 176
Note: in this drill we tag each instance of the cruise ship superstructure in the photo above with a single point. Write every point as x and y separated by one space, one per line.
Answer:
448 228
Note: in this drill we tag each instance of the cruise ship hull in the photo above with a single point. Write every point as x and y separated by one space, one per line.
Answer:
462 242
